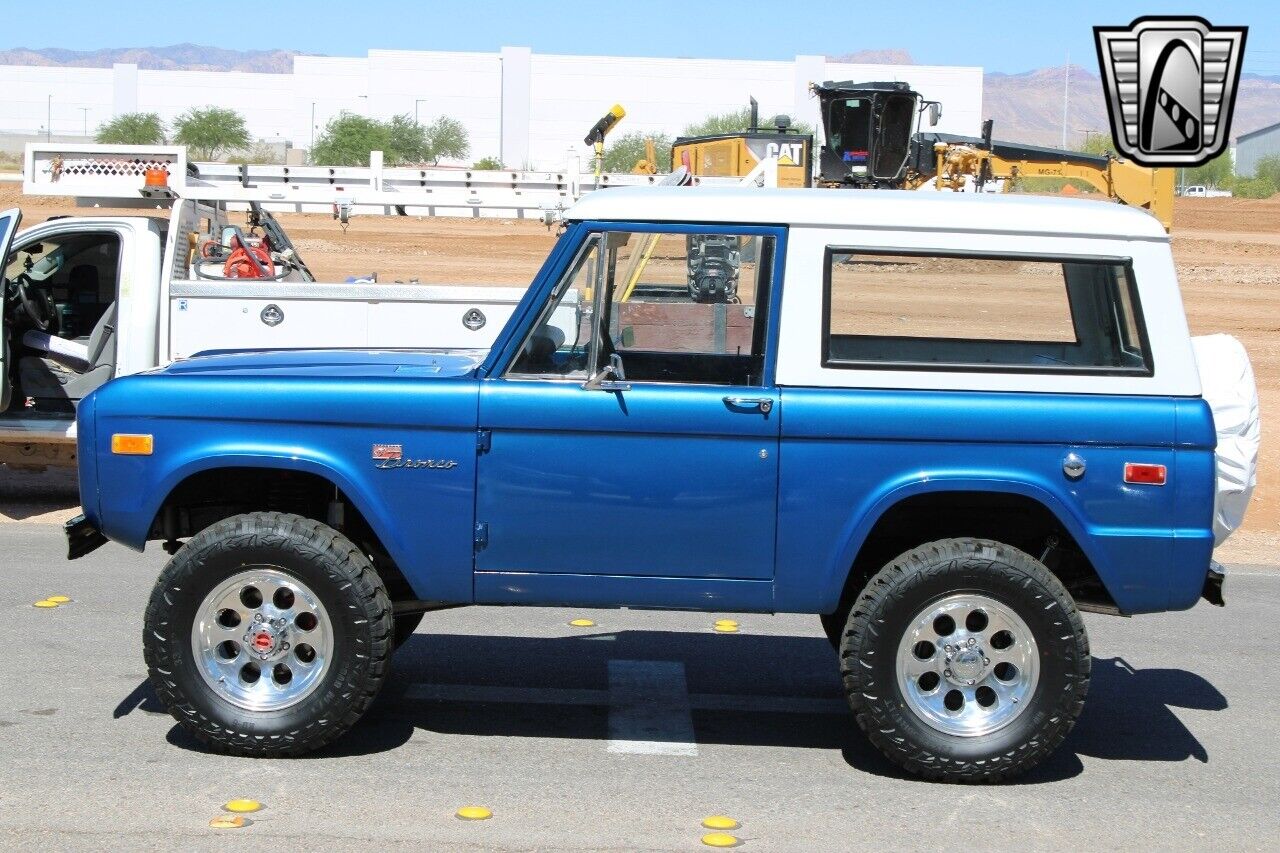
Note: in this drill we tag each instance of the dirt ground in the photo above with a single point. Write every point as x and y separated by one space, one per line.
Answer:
1227 252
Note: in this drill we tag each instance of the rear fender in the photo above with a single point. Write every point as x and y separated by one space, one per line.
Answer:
864 517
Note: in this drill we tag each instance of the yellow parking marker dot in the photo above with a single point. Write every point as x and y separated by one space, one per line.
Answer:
228 821
582 623
729 622
243 806
726 626
58 599
44 602
718 821
720 839
474 813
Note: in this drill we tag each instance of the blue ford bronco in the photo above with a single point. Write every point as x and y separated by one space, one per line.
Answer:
945 423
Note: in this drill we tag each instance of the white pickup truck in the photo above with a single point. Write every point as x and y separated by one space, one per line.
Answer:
1201 191
90 298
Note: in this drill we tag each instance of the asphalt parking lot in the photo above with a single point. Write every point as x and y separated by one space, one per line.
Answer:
518 711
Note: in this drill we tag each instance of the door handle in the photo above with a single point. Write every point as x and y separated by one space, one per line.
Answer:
764 404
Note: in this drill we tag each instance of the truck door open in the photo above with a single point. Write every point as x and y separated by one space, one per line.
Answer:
9 221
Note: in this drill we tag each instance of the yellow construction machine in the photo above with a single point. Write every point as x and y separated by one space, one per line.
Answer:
736 154
871 138
961 163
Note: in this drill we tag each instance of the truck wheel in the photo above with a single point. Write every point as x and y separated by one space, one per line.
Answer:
965 660
268 634
406 624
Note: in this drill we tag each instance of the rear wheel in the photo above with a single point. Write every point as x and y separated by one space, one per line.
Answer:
965 660
268 634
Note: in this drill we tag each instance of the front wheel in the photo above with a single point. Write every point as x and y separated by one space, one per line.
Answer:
965 660
268 634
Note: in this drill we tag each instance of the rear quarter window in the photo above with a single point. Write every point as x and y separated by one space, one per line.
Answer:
981 312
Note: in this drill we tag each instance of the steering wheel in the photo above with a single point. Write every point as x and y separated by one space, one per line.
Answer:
40 309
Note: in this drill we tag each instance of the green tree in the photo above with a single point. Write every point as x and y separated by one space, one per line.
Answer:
407 141
1218 172
1268 167
487 164
132 129
211 132
1253 187
621 153
347 140
447 137
1097 144
735 121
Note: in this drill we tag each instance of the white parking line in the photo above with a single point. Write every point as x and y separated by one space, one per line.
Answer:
649 708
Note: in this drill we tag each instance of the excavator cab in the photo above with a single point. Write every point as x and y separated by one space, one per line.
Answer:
867 132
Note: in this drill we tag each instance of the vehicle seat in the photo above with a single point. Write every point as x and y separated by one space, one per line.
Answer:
44 378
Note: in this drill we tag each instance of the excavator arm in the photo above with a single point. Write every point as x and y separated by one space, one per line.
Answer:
958 159
1150 189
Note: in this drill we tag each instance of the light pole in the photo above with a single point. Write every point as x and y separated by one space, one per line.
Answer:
313 130
415 109
48 118
1066 98
85 110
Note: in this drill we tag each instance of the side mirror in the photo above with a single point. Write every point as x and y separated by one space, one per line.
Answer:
935 114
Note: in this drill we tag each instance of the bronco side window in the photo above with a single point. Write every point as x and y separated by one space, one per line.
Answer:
977 312
675 307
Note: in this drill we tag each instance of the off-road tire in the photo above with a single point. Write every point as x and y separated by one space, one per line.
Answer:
882 613
352 593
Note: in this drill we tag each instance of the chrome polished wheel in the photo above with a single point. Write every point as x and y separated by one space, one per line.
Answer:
967 665
262 640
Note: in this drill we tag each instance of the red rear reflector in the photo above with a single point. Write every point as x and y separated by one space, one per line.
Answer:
1139 472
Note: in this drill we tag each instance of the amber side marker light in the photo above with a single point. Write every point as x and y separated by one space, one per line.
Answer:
1145 474
126 444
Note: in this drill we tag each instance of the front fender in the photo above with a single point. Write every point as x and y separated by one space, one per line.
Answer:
129 523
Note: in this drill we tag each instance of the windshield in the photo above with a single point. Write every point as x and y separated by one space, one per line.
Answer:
41 261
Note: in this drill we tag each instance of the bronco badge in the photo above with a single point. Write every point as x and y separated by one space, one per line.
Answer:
392 456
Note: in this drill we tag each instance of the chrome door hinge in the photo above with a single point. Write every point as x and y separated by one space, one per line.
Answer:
484 441
482 536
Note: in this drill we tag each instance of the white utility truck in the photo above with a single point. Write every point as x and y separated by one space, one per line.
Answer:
201 267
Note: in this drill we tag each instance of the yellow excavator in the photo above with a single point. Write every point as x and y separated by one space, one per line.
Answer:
872 139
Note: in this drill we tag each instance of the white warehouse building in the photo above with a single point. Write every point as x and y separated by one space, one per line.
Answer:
524 108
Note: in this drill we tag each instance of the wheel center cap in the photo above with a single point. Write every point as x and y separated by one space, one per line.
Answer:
263 641
967 665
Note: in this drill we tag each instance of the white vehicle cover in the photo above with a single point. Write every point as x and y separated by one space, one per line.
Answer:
1227 381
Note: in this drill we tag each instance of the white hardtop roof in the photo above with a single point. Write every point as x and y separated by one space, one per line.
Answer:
898 210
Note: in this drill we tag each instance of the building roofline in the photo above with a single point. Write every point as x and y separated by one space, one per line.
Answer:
1242 137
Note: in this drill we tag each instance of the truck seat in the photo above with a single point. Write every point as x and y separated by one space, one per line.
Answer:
45 378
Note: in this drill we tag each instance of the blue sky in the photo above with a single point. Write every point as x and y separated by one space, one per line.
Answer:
999 37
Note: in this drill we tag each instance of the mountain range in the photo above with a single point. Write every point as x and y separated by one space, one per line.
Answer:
176 57
1026 107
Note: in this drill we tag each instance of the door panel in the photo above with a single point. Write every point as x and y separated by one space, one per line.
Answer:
654 481
9 221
